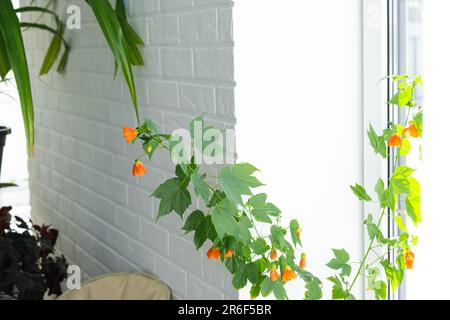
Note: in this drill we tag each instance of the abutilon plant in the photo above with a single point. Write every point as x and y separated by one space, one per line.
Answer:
234 213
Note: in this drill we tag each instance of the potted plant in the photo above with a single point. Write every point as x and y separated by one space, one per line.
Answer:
28 266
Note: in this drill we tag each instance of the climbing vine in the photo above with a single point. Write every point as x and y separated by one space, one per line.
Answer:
233 212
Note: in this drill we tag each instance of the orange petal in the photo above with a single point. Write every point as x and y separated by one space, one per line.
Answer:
274 276
213 254
395 141
273 254
303 262
129 134
229 253
409 259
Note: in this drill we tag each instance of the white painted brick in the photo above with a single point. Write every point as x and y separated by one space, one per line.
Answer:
197 98
81 177
208 67
177 62
199 27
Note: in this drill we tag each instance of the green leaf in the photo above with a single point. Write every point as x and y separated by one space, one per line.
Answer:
223 218
194 221
237 180
277 237
204 232
112 30
12 38
239 279
413 202
361 193
403 97
53 51
268 286
418 122
217 197
377 142
400 223
379 189
381 290
405 148
252 272
313 290
201 188
259 246
173 198
245 224
262 210
399 180
5 67
338 292
340 262
256 289
293 226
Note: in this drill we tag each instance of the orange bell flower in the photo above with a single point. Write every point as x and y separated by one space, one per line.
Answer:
213 254
409 259
303 262
139 170
129 134
395 141
288 274
411 131
229 253
274 276
273 254
298 232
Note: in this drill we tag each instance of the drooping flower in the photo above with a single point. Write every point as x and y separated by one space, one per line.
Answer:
229 253
129 134
288 274
213 254
411 131
139 169
273 254
274 276
303 262
409 259
395 141
298 232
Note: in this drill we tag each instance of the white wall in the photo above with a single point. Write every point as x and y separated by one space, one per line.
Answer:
299 111
429 280
81 175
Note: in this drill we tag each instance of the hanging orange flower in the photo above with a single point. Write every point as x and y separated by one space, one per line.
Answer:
273 254
409 259
229 253
213 254
274 276
288 274
395 141
303 262
139 169
411 131
298 232
129 134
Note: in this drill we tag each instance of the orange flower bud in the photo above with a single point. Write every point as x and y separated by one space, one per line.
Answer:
411 131
139 169
298 232
395 141
213 254
229 253
288 274
129 134
409 259
273 254
274 276
303 262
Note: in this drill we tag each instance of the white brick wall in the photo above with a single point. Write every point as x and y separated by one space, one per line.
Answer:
81 175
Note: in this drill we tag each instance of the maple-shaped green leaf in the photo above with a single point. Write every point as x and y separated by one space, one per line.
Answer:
201 188
379 189
259 246
276 287
204 231
245 225
194 221
340 262
223 219
338 292
237 180
313 290
262 210
216 198
173 196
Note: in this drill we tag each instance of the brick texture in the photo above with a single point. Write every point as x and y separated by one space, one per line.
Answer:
81 175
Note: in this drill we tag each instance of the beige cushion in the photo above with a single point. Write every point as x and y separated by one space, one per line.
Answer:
120 286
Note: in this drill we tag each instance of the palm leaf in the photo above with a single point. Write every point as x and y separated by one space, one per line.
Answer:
10 30
112 30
